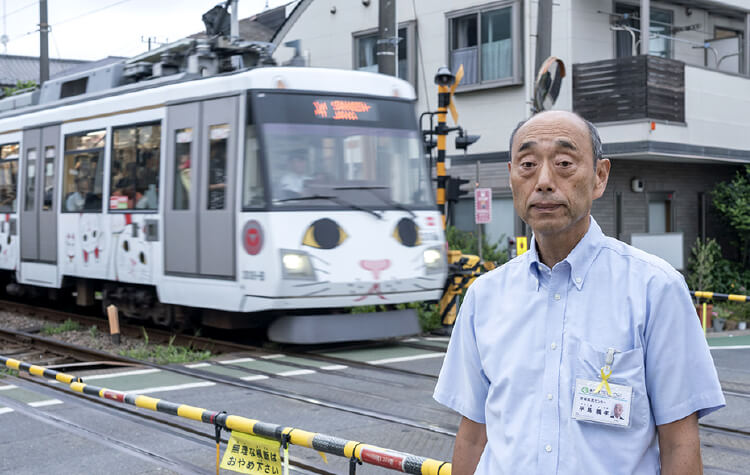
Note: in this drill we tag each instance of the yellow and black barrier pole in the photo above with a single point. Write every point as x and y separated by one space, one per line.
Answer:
369 454
702 294
444 99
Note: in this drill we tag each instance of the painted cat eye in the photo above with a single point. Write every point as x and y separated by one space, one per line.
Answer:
407 233
324 234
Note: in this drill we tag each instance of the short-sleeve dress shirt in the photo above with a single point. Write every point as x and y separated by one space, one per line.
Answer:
526 332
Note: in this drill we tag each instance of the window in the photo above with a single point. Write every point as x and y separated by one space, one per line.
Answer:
49 177
31 156
253 192
134 180
628 44
9 154
82 172
486 41
217 165
182 176
366 48
660 216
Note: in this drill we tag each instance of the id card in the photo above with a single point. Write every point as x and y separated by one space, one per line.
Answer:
599 406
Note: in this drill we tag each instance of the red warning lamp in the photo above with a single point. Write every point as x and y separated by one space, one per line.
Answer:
653 125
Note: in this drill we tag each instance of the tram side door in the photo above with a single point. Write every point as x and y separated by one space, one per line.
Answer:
201 166
38 196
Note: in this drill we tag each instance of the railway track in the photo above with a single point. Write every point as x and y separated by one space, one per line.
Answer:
65 356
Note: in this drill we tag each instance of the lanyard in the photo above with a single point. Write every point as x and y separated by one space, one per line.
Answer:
606 372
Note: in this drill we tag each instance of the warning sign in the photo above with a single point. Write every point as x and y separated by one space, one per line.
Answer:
251 454
483 205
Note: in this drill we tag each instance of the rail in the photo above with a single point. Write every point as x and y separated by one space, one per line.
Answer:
356 452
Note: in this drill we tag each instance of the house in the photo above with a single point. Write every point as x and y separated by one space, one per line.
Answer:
15 68
674 123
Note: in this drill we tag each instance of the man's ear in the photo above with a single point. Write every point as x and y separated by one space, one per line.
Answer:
510 183
602 176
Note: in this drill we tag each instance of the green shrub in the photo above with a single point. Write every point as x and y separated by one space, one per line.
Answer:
466 242
704 256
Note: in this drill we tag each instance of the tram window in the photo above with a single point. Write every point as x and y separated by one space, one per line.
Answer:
82 172
49 177
253 194
134 179
30 179
217 165
182 177
9 154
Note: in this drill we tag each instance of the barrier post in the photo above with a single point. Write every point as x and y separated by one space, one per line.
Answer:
114 324
704 317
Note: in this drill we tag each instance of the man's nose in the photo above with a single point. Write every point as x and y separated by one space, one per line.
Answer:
545 178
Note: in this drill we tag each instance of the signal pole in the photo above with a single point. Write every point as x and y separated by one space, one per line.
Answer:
43 44
387 38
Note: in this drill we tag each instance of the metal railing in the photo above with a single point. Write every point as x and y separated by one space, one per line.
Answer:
356 452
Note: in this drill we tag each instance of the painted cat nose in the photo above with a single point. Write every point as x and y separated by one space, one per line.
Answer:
375 266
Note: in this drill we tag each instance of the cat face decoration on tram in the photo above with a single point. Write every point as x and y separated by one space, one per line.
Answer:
132 259
90 239
8 246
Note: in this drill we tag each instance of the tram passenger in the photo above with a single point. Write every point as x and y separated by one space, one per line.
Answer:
579 322
82 199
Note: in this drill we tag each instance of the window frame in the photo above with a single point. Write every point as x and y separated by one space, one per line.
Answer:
111 130
517 47
411 49
637 7
12 209
101 166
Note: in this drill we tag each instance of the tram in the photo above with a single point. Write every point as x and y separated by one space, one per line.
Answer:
263 196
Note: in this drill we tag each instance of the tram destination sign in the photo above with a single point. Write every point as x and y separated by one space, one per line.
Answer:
351 110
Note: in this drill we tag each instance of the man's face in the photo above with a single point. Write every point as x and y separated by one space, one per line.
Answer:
552 173
618 410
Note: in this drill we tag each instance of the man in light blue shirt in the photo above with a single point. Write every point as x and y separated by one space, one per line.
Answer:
546 347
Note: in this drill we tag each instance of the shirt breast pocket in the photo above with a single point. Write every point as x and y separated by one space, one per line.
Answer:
628 369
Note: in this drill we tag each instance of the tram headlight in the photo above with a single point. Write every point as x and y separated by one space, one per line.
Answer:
433 260
296 265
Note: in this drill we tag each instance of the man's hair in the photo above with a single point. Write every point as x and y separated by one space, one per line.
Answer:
596 141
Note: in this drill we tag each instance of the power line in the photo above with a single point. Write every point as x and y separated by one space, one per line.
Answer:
68 20
91 12
22 8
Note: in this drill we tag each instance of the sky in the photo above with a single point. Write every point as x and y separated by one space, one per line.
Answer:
95 29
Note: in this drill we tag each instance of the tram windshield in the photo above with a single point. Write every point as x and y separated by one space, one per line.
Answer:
324 151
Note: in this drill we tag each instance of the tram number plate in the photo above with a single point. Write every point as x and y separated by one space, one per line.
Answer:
253 275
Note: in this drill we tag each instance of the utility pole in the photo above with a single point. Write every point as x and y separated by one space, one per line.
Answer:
645 26
43 44
543 34
387 38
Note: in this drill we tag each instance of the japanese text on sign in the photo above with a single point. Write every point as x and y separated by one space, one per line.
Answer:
339 109
250 454
482 205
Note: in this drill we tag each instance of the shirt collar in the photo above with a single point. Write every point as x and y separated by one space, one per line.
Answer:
579 259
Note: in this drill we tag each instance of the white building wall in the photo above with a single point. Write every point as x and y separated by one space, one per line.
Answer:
715 102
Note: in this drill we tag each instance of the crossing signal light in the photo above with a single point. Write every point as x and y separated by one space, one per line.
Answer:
453 188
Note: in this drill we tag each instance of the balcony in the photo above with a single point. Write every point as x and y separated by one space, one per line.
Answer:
637 87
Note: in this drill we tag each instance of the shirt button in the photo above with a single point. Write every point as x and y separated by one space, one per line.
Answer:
549 396
578 280
553 345
557 296
548 448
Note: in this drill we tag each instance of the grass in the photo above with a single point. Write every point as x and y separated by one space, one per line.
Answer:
93 331
8 372
66 326
165 354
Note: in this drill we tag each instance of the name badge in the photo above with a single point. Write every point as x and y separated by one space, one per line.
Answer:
593 404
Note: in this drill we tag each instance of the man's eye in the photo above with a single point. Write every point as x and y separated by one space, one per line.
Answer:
527 164
565 163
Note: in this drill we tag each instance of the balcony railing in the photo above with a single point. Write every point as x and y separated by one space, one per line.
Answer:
637 87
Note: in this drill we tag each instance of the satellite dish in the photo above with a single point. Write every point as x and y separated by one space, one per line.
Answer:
548 82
